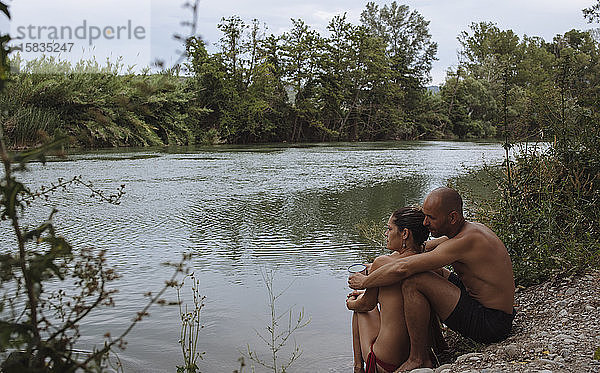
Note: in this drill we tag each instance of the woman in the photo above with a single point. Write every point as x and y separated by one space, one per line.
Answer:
380 337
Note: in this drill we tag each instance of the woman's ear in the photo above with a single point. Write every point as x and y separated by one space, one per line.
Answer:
405 233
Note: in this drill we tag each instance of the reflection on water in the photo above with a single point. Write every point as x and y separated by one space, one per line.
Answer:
242 209
307 228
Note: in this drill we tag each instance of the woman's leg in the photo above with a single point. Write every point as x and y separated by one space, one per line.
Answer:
358 359
365 327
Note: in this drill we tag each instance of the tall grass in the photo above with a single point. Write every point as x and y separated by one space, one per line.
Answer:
99 105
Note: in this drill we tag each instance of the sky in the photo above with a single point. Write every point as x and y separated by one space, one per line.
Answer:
161 19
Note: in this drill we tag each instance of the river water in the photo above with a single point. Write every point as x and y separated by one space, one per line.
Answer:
289 210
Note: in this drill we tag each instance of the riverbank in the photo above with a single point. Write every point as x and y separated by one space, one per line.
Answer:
557 329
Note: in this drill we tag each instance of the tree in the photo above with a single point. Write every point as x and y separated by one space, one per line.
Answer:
232 45
301 48
592 14
407 39
490 58
410 52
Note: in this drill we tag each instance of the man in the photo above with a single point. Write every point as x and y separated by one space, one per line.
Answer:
476 301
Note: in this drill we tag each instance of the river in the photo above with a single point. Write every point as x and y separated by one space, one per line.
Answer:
244 211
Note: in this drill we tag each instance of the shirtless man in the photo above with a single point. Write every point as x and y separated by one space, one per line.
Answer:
476 301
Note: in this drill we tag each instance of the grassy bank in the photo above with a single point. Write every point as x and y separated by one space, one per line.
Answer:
98 106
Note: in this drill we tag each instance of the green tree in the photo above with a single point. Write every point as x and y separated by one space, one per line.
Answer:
301 48
489 99
410 52
592 14
233 46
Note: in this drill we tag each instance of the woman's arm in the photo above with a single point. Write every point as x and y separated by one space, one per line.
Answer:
364 302
385 275
368 299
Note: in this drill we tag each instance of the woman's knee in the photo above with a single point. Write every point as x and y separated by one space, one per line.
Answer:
412 282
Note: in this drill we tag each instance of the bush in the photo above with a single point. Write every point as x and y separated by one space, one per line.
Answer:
546 212
99 106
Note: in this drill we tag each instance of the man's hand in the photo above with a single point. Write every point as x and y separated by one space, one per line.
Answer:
356 281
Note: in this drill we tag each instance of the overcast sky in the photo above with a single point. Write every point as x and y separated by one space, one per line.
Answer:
448 18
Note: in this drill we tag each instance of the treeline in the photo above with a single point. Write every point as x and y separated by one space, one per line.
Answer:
527 85
363 82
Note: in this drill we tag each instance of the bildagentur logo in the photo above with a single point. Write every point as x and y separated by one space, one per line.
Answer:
85 31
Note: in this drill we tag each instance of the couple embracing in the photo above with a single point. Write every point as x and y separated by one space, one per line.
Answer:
413 288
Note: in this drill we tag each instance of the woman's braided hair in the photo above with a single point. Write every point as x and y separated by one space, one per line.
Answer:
412 218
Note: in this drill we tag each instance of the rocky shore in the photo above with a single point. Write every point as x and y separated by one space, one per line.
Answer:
557 329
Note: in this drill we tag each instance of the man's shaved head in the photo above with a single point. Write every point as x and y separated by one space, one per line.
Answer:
447 199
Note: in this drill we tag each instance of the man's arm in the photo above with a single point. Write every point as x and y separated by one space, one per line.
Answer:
433 243
391 273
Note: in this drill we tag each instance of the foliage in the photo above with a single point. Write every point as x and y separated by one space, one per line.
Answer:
547 215
97 106
544 202
592 14
354 84
48 287
277 336
190 326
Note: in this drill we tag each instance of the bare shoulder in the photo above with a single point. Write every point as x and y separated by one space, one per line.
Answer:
480 232
477 241
381 260
467 239
474 231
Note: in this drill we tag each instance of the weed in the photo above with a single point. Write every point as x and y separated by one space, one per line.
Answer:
277 336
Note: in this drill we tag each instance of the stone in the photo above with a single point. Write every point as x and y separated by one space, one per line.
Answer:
546 361
469 356
512 351
544 371
570 292
422 370
589 308
563 313
570 341
442 367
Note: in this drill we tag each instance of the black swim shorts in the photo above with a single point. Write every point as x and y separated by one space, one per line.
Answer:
471 319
